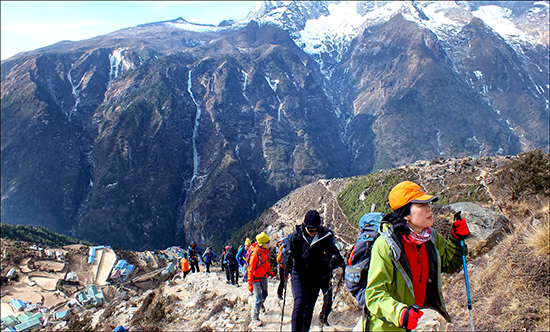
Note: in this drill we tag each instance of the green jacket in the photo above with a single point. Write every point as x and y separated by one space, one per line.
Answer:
390 289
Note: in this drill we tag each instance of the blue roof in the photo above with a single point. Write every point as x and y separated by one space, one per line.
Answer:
121 264
18 304
60 315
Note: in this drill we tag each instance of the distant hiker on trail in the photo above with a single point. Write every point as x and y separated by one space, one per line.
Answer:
402 282
258 270
184 265
223 255
194 254
229 260
309 249
242 258
281 245
208 258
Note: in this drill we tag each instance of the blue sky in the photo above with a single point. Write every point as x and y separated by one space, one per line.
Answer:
28 25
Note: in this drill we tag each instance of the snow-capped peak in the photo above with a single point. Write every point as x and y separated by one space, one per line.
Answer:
327 27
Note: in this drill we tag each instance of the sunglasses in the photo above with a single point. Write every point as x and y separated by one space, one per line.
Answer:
312 229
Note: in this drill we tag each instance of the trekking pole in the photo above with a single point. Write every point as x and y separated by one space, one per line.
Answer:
458 217
284 300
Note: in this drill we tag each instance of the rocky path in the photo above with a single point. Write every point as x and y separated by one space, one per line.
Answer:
208 302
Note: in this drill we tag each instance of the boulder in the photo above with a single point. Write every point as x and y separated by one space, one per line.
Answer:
487 227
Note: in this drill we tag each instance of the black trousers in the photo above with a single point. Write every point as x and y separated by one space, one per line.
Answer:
326 288
282 278
231 274
305 294
194 266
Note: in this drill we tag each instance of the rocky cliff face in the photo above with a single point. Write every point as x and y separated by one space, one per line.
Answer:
172 131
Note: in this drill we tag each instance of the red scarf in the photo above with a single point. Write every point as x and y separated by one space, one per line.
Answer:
421 237
418 261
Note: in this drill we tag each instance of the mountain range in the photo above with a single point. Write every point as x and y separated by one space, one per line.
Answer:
170 132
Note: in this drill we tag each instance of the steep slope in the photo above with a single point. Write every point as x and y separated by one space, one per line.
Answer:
175 146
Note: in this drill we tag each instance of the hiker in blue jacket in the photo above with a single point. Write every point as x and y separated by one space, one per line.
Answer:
242 259
309 248
208 258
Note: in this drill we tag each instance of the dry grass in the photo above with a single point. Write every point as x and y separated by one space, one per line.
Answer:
510 285
538 239
509 290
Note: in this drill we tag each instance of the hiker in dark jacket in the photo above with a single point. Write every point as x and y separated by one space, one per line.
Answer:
309 248
194 254
406 262
229 261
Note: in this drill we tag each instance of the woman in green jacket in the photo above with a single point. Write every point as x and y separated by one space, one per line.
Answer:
407 260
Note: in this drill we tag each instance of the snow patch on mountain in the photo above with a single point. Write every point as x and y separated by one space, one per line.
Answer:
118 64
344 22
324 29
498 19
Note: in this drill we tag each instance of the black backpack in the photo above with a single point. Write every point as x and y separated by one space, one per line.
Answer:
230 259
193 254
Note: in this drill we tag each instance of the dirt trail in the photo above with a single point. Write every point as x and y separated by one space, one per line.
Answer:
238 317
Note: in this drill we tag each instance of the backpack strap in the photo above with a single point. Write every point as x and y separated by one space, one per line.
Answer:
395 254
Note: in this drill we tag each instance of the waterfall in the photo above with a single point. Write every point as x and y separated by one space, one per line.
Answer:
75 91
196 157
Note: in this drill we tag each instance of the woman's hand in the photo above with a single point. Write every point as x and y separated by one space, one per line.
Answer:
410 317
460 230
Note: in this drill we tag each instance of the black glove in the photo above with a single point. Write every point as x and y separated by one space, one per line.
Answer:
336 261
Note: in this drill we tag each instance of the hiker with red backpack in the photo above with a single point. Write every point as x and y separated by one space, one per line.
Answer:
406 262
309 249
258 271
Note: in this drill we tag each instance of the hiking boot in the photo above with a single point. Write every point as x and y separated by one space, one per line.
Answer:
262 309
257 322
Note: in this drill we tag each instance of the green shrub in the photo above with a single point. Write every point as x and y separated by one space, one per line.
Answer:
36 234
530 174
374 188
